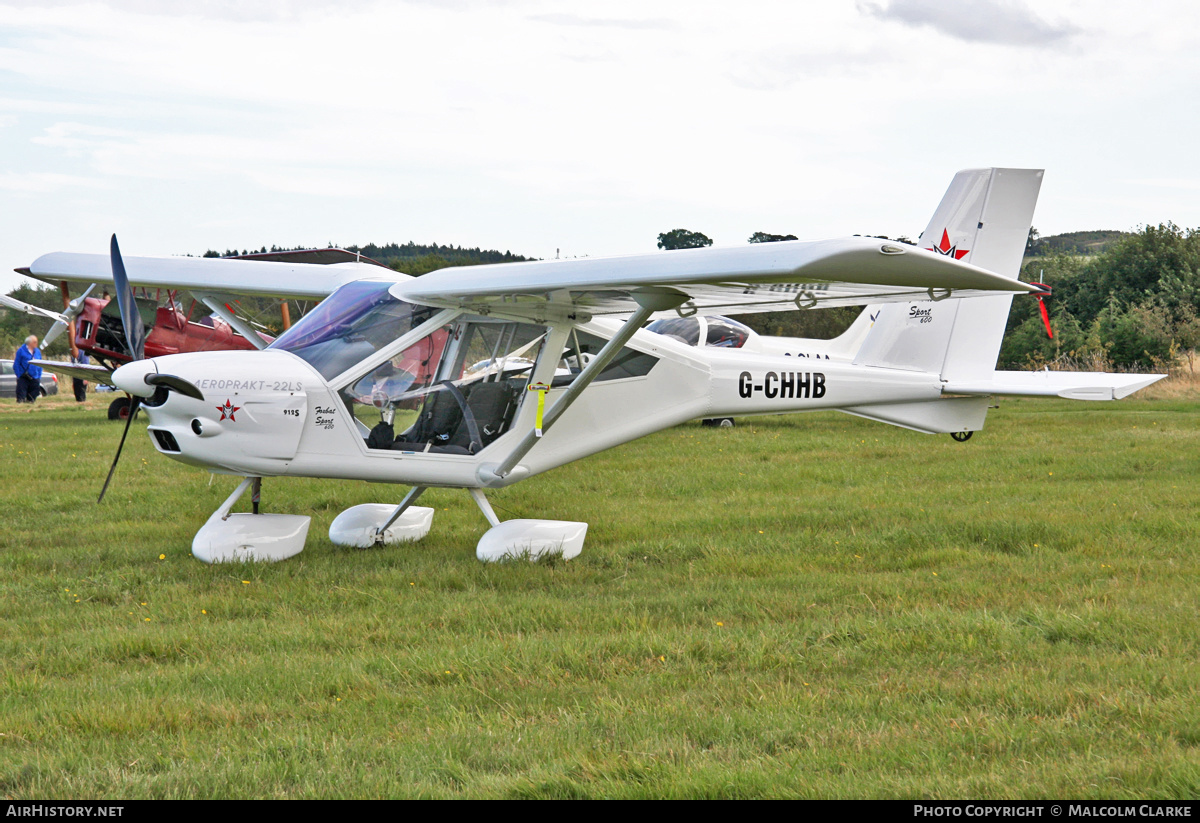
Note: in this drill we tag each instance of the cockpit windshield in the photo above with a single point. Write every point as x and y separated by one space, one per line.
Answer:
350 325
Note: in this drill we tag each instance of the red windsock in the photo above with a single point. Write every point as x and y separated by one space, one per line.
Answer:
1041 298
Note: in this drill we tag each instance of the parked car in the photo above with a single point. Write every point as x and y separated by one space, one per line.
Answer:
8 381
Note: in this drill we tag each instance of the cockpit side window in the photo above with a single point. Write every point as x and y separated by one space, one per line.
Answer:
397 387
581 347
453 392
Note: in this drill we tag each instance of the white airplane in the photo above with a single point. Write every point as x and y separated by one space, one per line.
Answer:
477 378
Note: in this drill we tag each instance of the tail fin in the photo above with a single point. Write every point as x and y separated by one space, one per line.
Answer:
983 219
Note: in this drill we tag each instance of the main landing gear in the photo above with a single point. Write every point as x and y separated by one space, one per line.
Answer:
240 538
378 524
961 437
526 539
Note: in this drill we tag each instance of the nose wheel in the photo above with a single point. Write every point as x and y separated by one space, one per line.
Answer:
119 409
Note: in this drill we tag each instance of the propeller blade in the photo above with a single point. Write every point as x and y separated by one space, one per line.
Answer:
133 407
58 328
131 319
174 383
135 339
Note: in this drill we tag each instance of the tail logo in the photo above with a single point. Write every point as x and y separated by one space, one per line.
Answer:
950 251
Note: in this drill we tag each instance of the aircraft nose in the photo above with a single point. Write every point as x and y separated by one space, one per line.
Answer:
131 377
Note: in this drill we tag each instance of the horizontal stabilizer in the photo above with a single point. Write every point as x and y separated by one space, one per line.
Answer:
1066 384
946 416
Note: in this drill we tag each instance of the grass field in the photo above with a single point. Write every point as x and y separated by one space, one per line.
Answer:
804 606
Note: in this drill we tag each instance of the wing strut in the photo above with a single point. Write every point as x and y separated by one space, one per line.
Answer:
649 301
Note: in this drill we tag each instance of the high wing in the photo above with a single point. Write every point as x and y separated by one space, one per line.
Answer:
304 281
852 271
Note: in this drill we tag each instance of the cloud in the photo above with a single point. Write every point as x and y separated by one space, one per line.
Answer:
1007 22
651 23
783 68
43 182
236 11
1190 184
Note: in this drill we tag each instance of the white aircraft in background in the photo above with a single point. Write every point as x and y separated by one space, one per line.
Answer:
479 377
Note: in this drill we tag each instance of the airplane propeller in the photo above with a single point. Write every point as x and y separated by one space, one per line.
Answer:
72 311
135 340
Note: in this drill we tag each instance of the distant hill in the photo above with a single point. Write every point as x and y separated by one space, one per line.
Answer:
1074 242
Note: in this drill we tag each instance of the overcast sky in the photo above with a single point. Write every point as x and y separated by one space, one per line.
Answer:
586 127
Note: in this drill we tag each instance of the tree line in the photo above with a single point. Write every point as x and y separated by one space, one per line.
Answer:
1135 305
408 258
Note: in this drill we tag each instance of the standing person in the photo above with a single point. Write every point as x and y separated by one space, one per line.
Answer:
77 383
29 377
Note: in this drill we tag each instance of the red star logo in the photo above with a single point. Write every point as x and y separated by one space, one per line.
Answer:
227 411
950 251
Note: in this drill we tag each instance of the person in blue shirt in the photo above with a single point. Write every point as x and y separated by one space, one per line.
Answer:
29 377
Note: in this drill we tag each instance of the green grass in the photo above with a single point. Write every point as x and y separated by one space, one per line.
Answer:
804 606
